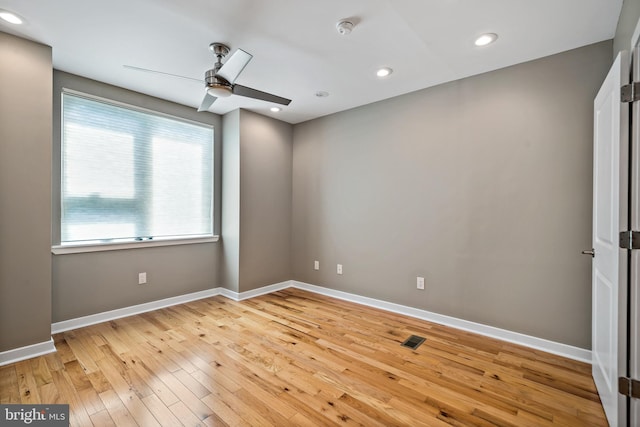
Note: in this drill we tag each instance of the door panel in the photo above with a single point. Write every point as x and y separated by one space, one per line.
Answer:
634 368
610 174
634 297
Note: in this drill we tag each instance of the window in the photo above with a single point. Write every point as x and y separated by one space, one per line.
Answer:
132 175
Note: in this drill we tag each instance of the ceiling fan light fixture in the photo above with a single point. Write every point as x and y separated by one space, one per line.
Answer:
10 17
486 39
219 91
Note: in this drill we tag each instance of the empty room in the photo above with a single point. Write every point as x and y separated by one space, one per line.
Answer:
360 212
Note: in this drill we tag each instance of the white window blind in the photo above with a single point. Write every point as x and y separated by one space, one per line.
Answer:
131 175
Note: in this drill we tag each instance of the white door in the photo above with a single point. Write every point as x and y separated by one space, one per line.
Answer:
610 184
634 296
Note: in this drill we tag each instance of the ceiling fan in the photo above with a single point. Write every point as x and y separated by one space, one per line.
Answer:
219 81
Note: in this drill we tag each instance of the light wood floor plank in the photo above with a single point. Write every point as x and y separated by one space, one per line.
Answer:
102 418
294 358
186 416
160 411
9 389
117 411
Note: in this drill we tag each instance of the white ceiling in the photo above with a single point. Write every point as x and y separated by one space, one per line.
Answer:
296 48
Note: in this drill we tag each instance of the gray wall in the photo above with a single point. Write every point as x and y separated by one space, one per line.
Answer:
25 192
482 186
91 283
626 25
231 200
256 219
266 151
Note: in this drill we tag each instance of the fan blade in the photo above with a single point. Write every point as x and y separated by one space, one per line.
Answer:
131 67
234 65
207 101
258 94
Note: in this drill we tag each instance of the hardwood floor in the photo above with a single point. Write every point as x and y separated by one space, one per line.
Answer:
298 358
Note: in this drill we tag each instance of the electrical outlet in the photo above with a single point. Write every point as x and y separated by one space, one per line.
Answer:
142 278
339 269
420 283
316 265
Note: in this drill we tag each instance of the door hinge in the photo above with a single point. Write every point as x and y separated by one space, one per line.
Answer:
629 387
630 92
630 239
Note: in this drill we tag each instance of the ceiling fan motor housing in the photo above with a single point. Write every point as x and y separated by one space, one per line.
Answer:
217 86
210 78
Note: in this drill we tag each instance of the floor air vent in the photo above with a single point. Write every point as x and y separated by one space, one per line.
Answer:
413 342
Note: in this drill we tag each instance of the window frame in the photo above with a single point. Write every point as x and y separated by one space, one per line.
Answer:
59 248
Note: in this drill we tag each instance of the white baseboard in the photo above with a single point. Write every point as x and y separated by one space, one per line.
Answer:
256 292
92 319
553 347
560 349
27 352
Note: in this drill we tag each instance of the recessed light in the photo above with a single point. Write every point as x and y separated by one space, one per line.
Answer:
10 17
276 109
322 94
384 72
486 39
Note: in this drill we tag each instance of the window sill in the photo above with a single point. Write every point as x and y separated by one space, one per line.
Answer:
77 249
